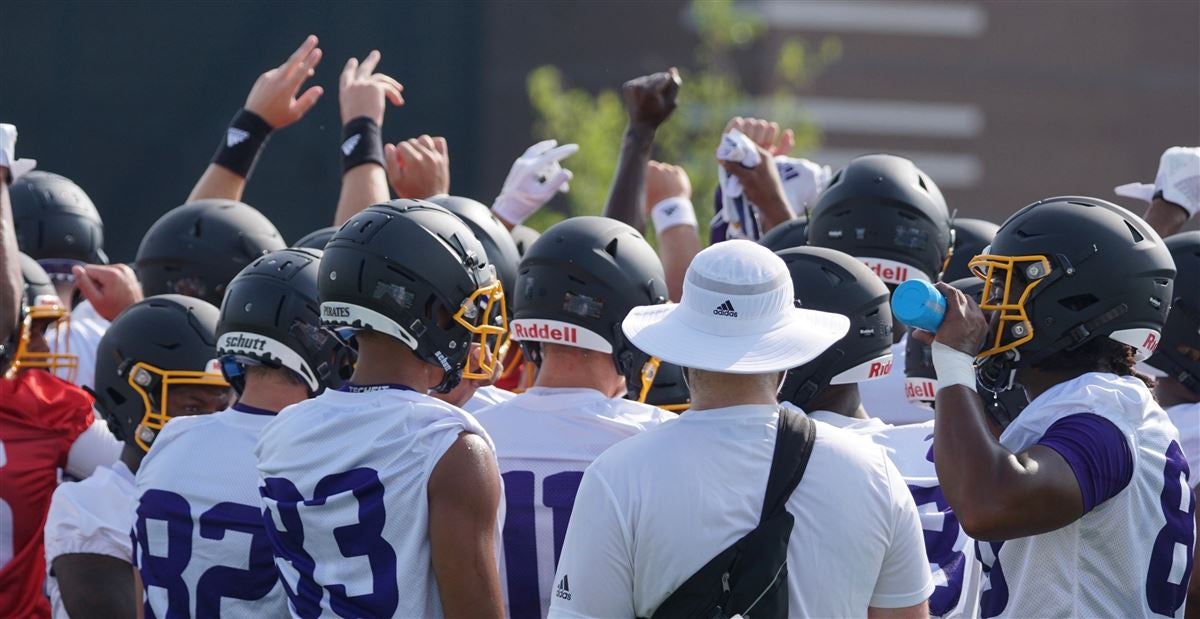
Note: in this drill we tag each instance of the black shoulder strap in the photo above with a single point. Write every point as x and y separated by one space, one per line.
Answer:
793 445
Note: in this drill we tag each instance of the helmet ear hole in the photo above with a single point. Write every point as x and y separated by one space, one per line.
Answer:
1078 302
115 396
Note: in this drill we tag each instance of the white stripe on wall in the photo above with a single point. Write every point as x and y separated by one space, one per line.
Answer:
888 117
944 19
948 170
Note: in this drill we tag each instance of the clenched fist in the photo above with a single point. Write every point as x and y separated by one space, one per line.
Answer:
650 99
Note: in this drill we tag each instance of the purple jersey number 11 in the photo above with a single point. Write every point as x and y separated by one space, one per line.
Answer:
520 533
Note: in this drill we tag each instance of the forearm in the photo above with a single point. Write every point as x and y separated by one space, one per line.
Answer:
1165 217
627 196
218 182
677 246
362 186
11 283
773 213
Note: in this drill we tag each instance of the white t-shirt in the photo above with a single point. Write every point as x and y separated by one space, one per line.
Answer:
200 481
345 490
656 507
951 552
1186 418
484 397
545 438
93 516
885 399
1129 555
87 327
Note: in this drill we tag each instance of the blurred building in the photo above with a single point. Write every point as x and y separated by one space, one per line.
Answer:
1002 103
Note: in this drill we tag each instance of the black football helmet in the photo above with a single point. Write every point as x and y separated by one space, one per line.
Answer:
971 237
831 281
197 248
789 234
317 238
524 237
578 282
271 316
1064 271
920 379
56 220
1178 354
496 239
42 312
160 342
412 270
885 211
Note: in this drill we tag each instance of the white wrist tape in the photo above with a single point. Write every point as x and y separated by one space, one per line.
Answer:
673 212
953 367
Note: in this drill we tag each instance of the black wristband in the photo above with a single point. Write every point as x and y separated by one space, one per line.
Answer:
361 143
243 142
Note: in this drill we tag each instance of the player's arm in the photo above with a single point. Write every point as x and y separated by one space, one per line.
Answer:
649 100
11 283
418 168
763 187
916 611
363 96
1165 217
669 202
96 586
94 447
272 104
464 496
995 494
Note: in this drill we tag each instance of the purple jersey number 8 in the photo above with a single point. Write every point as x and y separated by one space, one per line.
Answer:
1166 583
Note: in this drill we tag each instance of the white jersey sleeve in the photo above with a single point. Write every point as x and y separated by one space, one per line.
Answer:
86 329
202 547
94 447
1130 555
902 581
345 481
93 516
545 438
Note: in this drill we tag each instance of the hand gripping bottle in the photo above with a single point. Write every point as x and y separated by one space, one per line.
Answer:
919 305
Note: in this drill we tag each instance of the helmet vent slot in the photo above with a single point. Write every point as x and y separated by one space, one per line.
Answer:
576 280
1138 237
611 248
1078 302
115 396
197 229
921 182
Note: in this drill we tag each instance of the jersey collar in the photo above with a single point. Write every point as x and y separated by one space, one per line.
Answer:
252 410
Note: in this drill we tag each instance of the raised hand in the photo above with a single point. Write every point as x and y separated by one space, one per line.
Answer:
273 96
533 179
362 92
650 99
663 181
109 288
419 167
765 133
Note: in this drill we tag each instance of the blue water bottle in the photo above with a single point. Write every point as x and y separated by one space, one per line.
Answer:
919 305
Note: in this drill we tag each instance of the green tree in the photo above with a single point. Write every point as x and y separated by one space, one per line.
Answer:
712 93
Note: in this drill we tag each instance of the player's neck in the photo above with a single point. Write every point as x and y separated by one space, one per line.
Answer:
131 457
580 369
841 399
383 360
271 395
1036 382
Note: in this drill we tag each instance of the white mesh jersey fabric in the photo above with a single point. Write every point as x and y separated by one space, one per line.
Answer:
487 396
344 483
1186 418
1129 556
952 562
545 438
93 516
885 399
199 480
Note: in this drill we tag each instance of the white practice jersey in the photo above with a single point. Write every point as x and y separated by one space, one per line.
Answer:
484 397
545 438
345 485
93 516
656 507
886 399
87 327
1129 556
1186 418
951 553
202 545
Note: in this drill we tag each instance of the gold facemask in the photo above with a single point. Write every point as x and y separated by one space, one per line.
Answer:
1008 282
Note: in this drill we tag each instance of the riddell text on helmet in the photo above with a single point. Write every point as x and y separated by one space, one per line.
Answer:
567 335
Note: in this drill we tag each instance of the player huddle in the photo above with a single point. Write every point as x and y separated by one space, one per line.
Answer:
430 409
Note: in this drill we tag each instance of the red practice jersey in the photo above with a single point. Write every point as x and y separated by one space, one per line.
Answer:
40 417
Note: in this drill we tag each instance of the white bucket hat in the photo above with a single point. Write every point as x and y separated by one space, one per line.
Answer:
737 316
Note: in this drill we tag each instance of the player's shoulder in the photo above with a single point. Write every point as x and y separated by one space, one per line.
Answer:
850 448
52 401
640 413
108 485
206 432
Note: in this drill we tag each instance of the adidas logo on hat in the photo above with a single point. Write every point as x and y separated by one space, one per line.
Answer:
726 309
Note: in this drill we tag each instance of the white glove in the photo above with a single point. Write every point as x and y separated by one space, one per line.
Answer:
8 157
534 178
1178 179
